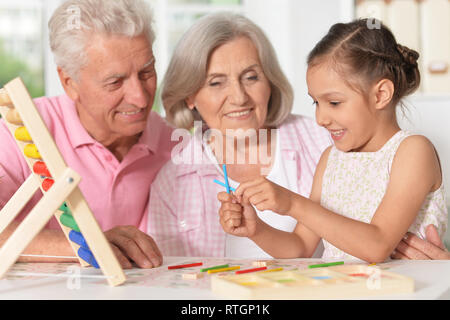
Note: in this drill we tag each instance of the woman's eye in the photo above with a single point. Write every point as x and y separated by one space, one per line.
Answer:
250 78
314 103
214 83
334 103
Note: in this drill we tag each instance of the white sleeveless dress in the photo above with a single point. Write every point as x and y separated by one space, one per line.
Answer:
354 184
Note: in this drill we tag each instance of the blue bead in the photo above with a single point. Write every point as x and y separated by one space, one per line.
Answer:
78 238
87 256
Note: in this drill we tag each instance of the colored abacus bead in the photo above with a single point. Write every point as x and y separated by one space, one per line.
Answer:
5 100
87 256
83 252
13 117
64 208
40 168
31 151
22 134
47 184
67 220
78 238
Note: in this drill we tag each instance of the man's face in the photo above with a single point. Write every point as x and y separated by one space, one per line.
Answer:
116 88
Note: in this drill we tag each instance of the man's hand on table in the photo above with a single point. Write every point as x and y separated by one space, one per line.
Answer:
414 248
132 245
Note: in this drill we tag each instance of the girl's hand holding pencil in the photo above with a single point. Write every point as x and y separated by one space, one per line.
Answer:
236 219
237 214
265 195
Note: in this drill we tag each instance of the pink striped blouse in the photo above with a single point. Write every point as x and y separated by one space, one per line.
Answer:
183 209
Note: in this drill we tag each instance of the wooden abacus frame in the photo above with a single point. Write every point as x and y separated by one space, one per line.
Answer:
15 98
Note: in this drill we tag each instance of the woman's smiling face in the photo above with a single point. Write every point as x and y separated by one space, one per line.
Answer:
236 92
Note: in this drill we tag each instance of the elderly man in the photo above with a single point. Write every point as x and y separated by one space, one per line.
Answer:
103 125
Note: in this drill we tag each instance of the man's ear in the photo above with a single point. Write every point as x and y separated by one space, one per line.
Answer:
383 91
69 84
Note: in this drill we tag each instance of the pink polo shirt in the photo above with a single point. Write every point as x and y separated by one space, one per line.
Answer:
117 192
183 210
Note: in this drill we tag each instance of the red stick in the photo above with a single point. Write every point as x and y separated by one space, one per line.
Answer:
185 265
251 270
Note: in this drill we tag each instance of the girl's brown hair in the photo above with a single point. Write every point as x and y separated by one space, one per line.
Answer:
364 54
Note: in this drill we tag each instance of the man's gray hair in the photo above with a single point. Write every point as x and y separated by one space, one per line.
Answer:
74 22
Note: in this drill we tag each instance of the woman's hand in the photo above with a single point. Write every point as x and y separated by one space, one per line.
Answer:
265 195
414 248
236 219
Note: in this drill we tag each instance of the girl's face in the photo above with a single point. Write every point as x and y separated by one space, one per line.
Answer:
236 93
345 113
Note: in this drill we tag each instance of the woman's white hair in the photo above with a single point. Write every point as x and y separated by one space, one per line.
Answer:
75 21
187 69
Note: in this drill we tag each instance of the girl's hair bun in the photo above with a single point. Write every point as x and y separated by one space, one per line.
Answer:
410 56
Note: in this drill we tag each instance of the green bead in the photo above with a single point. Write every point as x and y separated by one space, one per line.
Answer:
64 208
68 221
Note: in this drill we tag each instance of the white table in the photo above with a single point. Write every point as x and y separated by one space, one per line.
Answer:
432 281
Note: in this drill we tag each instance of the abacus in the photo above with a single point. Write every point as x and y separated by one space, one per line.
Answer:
59 185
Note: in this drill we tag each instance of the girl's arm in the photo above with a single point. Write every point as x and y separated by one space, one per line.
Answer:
266 195
241 220
415 172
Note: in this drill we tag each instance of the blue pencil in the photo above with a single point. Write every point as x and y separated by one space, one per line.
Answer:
224 185
227 185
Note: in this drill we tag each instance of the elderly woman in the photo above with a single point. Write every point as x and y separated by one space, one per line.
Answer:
103 125
224 73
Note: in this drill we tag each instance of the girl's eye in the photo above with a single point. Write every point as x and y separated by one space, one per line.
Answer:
334 103
315 103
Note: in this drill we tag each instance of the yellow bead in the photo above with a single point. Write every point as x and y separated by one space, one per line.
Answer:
31 151
22 134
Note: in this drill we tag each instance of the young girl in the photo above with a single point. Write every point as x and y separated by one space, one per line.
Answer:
376 183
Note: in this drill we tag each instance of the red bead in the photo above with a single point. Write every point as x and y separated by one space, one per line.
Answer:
41 169
47 183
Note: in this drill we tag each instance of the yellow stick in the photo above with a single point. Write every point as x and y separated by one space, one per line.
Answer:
271 270
224 269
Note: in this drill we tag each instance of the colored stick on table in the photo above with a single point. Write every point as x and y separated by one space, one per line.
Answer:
224 269
322 265
272 270
185 265
251 270
224 185
227 185
215 267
